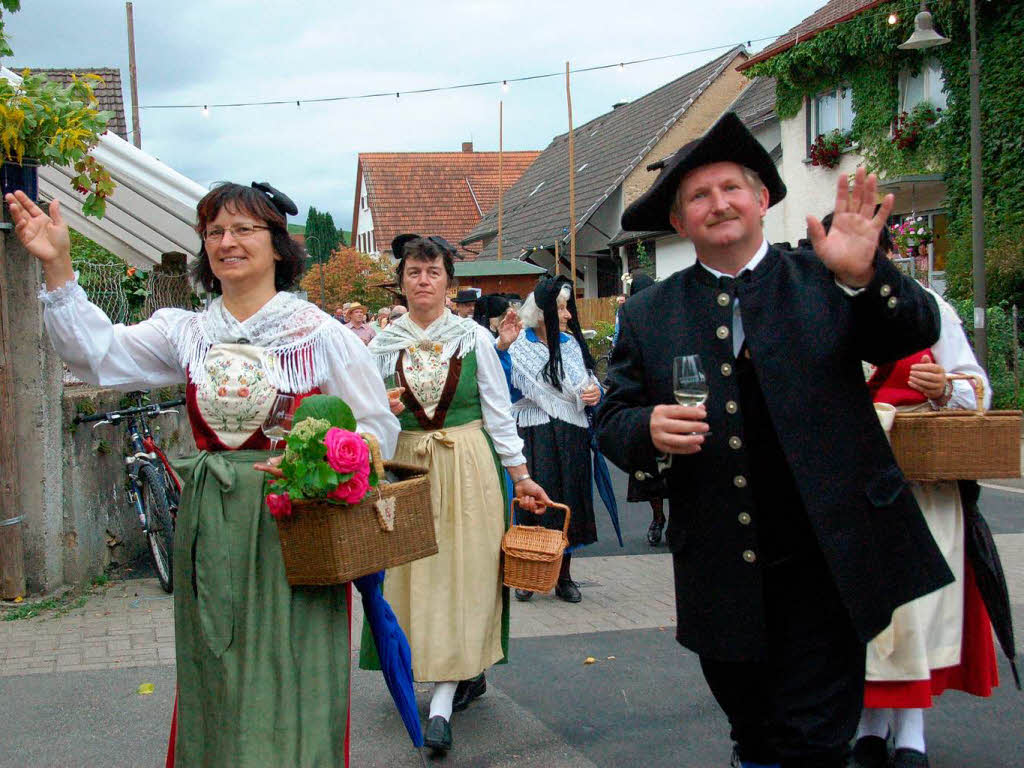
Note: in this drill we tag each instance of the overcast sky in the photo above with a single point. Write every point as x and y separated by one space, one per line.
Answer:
191 52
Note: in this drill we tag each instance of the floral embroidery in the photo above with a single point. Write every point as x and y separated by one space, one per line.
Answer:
236 395
426 371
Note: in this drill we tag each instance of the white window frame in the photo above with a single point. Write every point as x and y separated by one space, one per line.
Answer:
932 92
814 130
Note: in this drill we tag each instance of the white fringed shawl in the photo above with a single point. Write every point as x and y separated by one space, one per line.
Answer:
293 334
541 402
455 335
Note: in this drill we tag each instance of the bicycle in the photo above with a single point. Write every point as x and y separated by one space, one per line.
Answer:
601 363
154 490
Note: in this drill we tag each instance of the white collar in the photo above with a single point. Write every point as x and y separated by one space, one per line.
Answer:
751 265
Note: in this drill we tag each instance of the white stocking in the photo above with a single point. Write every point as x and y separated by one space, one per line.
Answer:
441 701
874 722
909 728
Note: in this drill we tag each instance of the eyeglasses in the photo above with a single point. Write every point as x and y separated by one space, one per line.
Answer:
238 231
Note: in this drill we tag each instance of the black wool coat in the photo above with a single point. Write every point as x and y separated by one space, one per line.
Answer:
806 339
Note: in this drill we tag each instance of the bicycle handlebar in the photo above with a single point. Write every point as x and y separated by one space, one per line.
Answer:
113 416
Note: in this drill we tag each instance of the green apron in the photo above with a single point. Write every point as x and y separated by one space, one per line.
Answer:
263 668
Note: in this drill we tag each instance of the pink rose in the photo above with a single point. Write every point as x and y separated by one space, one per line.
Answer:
346 451
355 489
279 504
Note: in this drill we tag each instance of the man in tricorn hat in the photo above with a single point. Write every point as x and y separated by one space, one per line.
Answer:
791 526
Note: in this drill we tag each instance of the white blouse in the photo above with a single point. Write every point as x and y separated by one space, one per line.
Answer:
154 353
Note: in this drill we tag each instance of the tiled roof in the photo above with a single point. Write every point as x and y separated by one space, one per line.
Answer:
108 93
830 14
435 193
606 151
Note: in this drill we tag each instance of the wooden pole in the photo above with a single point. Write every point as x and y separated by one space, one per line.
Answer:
1016 354
136 127
572 188
12 554
501 192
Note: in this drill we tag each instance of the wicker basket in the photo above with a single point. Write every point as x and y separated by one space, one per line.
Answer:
325 543
533 553
958 445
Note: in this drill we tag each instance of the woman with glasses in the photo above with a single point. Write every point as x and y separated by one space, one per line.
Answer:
262 669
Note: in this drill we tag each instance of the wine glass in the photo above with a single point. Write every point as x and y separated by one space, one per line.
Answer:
689 384
278 423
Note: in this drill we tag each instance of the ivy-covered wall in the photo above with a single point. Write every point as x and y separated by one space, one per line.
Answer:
862 53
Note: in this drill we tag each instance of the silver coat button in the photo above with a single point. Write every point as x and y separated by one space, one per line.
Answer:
722 332
749 556
639 474
723 299
885 290
731 407
892 302
739 481
726 369
735 443
744 518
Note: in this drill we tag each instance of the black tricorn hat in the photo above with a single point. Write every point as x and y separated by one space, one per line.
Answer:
728 140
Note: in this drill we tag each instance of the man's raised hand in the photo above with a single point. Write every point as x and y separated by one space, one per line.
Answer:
848 249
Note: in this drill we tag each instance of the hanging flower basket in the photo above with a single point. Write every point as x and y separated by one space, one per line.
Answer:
828 147
910 126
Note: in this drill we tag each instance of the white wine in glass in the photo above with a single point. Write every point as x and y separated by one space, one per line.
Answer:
278 424
689 384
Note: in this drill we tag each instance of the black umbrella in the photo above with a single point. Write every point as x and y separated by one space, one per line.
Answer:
988 571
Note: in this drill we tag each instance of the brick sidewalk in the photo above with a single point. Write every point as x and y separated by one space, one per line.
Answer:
131 623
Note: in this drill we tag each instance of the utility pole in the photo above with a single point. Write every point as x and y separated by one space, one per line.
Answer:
136 128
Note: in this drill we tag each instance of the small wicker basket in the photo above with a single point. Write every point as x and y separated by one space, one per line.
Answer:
325 543
533 553
958 445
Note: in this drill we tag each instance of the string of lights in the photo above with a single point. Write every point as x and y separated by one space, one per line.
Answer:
891 18
505 83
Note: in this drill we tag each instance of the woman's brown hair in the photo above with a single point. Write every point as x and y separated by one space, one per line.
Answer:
239 199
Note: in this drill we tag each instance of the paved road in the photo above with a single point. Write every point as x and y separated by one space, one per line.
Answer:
68 685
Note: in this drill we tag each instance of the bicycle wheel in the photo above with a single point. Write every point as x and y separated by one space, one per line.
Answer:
160 527
601 368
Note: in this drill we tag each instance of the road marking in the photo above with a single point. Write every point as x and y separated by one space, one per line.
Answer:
1006 488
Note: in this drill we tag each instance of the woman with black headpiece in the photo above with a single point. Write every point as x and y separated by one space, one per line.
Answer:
649 489
549 369
262 669
489 310
452 400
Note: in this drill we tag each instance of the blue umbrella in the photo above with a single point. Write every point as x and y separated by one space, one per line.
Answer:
603 479
393 652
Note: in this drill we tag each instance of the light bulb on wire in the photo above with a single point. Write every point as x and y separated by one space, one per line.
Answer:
893 18
504 86
206 111
621 67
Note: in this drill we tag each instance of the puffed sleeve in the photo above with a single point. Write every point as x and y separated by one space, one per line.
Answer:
495 402
354 378
125 357
954 354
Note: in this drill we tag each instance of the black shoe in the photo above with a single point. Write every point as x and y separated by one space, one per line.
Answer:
870 752
467 690
904 757
522 595
654 533
438 734
568 590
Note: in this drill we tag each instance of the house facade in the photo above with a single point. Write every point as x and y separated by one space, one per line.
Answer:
910 84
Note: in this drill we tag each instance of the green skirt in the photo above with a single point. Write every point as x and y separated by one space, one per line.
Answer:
263 668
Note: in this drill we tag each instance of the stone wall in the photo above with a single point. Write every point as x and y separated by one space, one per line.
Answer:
100 526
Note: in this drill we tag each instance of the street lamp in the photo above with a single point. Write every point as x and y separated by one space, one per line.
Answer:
321 262
925 36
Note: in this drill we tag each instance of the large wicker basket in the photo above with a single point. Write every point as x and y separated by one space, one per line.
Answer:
324 543
533 553
958 445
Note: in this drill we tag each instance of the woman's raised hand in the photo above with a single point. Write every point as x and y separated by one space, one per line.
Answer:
45 237
508 330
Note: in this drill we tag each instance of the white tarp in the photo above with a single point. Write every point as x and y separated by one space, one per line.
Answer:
151 212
